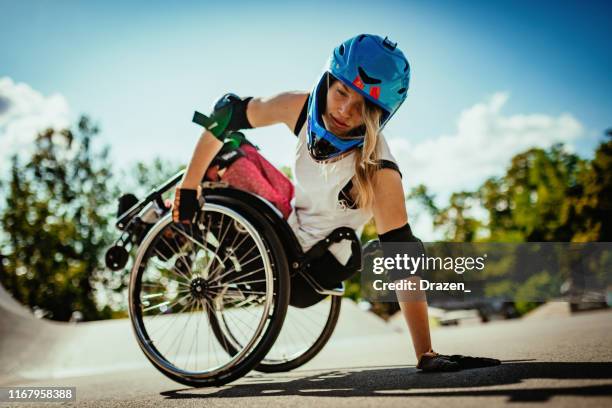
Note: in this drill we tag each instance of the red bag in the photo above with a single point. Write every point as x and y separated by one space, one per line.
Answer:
253 173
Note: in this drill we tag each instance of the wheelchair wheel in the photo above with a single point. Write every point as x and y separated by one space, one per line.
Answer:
304 333
298 342
229 264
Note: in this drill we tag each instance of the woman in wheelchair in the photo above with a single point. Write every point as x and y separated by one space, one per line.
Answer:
344 171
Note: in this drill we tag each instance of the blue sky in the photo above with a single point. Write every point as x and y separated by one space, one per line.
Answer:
140 69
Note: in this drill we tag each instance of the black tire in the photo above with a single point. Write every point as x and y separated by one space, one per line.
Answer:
266 338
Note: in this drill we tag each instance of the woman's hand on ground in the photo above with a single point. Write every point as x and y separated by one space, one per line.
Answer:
431 362
435 362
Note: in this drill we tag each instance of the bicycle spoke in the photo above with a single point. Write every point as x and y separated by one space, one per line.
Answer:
194 337
173 268
219 241
211 313
173 320
182 335
193 241
230 271
239 282
234 247
151 319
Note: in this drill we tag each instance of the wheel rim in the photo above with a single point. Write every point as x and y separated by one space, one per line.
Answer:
173 297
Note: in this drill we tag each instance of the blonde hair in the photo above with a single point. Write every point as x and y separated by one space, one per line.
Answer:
367 158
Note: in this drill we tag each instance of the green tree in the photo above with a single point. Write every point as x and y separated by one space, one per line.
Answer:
456 220
535 200
56 223
532 201
592 200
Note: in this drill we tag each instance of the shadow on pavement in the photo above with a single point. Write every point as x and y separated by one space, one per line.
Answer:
401 381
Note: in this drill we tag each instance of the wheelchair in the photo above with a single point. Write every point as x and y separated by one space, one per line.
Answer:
210 301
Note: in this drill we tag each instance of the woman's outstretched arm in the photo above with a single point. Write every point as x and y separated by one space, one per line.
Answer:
390 214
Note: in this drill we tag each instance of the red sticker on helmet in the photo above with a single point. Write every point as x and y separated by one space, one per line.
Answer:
375 92
357 82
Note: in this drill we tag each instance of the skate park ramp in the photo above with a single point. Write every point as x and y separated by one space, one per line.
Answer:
22 336
33 349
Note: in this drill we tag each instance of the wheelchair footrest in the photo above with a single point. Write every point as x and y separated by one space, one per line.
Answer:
338 291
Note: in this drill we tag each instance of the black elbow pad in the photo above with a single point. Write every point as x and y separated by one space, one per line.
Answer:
237 106
229 115
400 242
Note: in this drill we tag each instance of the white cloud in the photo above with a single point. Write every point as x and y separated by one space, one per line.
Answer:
23 113
482 145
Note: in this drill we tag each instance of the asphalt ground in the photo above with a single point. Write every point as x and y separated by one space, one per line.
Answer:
563 361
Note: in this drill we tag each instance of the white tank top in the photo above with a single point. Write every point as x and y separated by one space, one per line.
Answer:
317 211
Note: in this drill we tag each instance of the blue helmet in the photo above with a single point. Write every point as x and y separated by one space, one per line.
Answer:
372 66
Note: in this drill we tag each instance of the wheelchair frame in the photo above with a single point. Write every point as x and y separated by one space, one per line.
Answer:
138 220
298 260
